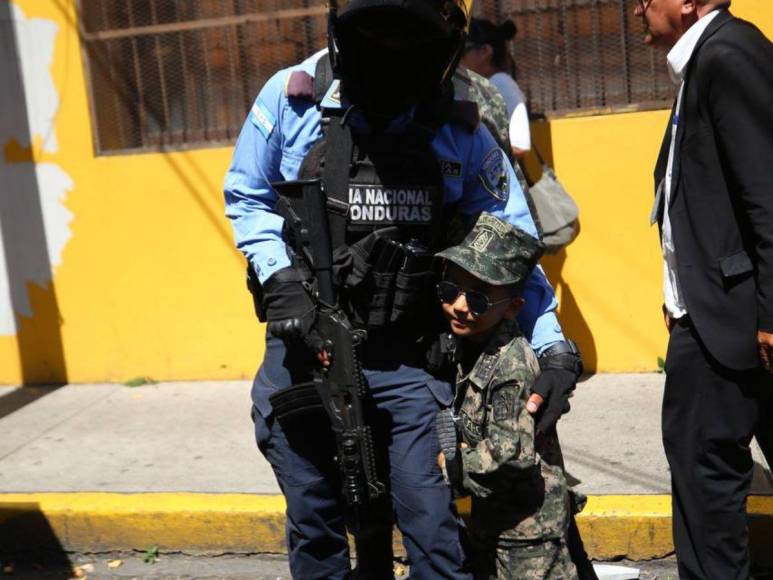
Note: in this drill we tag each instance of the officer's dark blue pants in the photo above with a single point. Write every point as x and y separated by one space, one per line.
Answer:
406 402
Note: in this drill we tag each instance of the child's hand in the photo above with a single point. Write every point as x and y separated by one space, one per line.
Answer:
441 459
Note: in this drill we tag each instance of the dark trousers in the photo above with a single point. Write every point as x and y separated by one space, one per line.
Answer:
405 403
710 414
301 455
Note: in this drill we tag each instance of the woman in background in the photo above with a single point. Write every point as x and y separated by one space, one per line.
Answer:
486 54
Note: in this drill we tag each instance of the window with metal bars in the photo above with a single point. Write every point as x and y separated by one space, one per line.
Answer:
576 55
171 74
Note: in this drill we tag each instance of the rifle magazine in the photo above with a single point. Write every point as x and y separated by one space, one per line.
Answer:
296 401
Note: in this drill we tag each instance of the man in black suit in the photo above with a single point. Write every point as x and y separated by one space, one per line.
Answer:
714 205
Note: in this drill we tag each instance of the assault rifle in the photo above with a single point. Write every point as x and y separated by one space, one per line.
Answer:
342 385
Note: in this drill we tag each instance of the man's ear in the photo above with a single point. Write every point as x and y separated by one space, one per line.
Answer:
514 307
690 7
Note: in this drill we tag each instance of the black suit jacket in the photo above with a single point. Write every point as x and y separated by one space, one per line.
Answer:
721 205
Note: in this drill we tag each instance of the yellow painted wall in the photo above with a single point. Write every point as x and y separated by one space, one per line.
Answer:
608 280
150 284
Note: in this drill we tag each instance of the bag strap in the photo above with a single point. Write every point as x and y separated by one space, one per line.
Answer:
540 158
545 166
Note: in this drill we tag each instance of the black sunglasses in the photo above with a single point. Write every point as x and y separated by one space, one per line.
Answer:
477 302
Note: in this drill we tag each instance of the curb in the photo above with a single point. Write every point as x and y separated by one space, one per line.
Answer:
637 527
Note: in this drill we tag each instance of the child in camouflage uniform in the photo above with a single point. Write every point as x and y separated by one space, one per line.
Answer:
520 499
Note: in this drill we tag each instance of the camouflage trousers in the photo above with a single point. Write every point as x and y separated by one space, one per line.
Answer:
523 560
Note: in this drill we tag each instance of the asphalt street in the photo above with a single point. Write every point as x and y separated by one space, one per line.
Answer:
228 567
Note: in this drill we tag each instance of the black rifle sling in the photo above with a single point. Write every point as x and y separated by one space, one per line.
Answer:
336 156
335 177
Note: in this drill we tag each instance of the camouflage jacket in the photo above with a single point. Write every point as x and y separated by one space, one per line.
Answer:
492 109
518 485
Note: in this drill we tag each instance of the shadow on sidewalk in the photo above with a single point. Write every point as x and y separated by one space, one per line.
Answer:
29 545
23 396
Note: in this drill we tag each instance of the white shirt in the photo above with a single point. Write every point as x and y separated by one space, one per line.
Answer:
519 131
678 59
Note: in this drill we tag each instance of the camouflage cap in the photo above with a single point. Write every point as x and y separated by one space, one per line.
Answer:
496 252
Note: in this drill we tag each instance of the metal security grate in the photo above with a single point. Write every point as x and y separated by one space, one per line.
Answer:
179 73
582 54
171 74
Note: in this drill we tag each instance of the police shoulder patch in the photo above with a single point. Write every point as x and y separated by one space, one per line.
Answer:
493 174
262 118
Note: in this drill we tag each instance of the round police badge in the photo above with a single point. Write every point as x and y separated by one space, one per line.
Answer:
493 174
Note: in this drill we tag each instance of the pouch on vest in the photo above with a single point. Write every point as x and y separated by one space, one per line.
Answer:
393 184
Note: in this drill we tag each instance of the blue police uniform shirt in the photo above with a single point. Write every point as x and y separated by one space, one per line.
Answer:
277 135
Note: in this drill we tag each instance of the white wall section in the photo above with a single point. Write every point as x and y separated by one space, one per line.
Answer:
34 219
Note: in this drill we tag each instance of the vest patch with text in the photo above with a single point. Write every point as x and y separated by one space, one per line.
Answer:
375 204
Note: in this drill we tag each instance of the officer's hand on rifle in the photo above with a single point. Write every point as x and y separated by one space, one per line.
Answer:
290 311
324 358
560 367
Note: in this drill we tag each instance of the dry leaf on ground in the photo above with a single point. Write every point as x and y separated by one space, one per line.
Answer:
82 570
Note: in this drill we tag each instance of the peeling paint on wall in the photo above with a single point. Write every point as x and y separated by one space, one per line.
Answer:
35 44
34 231
53 184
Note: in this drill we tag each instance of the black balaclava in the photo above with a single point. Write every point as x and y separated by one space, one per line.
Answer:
390 59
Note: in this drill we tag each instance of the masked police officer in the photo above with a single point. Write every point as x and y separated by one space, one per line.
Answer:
403 166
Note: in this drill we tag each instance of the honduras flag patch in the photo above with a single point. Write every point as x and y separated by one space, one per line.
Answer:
262 118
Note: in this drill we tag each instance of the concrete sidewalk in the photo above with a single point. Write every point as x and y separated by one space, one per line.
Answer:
73 454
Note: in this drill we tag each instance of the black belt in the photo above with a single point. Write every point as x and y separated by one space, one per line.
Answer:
685 321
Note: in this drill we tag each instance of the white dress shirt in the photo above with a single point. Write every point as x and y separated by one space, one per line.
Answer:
678 59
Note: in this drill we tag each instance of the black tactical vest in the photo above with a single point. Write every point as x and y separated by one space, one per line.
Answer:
375 182
386 212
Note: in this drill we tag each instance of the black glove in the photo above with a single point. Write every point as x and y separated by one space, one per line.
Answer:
561 366
290 312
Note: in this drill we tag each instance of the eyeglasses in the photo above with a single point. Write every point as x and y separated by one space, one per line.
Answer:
644 5
477 302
